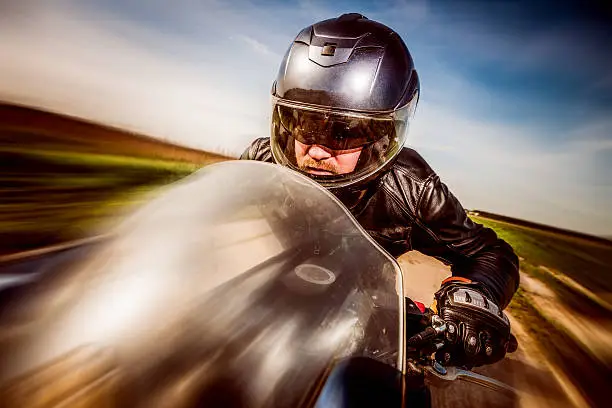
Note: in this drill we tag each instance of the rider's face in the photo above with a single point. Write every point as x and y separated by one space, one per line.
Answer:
320 160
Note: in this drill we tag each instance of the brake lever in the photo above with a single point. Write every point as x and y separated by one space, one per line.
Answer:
436 374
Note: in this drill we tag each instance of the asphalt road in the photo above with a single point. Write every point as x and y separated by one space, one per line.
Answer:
422 276
23 270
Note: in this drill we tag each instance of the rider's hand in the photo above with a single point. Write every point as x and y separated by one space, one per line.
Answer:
478 332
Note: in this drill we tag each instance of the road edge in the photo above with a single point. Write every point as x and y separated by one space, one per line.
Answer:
20 256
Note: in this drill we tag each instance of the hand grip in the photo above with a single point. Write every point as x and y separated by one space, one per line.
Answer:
423 337
512 344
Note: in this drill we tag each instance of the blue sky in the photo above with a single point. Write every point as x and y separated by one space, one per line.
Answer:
515 111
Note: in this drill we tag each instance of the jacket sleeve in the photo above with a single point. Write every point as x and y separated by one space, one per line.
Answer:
443 230
251 152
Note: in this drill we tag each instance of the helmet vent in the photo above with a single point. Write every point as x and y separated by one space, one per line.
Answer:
351 17
329 49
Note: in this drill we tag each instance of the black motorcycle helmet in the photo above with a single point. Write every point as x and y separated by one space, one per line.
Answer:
345 83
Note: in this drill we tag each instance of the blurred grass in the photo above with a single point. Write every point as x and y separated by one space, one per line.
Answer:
97 161
588 263
61 178
48 196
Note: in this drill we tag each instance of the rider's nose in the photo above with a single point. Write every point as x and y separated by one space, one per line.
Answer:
318 153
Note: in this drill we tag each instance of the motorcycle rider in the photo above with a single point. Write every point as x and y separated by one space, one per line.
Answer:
345 94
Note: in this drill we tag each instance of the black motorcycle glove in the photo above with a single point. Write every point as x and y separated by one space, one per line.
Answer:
478 332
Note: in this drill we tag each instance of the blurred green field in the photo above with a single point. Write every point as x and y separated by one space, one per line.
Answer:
61 178
586 262
47 197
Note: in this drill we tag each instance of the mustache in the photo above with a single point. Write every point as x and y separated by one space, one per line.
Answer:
319 165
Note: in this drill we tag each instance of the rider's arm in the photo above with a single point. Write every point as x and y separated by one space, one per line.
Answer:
444 231
253 151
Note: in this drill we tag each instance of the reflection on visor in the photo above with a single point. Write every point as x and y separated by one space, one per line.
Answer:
380 137
335 131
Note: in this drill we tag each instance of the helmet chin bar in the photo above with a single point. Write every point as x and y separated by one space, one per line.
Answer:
356 196
353 195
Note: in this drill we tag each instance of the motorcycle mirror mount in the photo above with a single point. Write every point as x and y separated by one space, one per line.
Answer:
430 334
438 375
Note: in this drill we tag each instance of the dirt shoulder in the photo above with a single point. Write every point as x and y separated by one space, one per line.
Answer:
539 381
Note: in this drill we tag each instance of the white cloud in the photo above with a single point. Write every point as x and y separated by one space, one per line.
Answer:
592 137
503 168
259 47
59 59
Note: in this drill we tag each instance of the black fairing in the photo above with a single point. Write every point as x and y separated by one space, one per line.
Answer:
362 382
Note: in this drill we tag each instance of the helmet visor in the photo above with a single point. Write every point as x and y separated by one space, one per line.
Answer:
337 148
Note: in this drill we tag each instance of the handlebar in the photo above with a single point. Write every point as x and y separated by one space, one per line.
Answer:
436 374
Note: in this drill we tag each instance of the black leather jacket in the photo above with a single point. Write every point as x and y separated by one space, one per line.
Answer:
411 208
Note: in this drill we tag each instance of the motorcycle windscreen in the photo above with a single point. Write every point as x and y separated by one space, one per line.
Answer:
242 285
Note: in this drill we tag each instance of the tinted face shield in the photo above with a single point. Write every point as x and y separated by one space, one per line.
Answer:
346 146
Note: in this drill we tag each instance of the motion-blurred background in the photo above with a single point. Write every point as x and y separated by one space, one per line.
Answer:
104 100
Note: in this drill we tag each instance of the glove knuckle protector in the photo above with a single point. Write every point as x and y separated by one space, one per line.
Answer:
478 331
